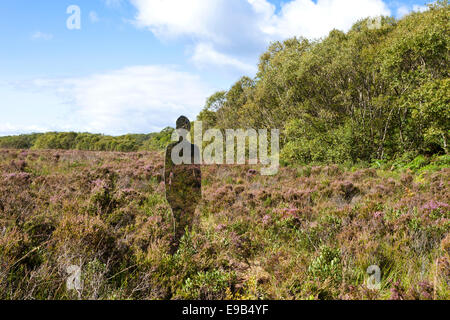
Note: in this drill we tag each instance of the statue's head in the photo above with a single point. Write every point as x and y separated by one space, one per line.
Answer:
183 123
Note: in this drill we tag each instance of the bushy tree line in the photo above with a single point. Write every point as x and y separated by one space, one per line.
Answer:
368 94
25 141
88 141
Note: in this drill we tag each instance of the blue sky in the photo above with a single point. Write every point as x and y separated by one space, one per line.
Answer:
136 65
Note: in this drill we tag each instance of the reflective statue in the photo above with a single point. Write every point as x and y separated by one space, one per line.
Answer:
182 181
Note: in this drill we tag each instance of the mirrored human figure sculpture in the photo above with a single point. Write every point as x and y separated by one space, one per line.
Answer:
182 182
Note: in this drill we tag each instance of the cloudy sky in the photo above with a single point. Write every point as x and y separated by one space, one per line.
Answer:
134 66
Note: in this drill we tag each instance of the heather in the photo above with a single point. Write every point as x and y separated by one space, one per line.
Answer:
308 232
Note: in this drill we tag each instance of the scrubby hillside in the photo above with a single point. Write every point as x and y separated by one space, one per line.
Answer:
305 233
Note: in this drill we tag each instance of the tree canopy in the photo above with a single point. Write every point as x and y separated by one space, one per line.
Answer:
370 93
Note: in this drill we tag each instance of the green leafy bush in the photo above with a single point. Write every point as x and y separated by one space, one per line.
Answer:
327 265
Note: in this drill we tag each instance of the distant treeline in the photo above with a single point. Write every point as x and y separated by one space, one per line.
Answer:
88 141
375 93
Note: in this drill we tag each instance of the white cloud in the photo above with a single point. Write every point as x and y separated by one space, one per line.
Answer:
306 18
242 28
402 11
41 36
205 55
133 99
11 129
177 17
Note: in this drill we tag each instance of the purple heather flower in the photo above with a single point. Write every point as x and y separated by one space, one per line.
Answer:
220 227
433 205
266 219
378 214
